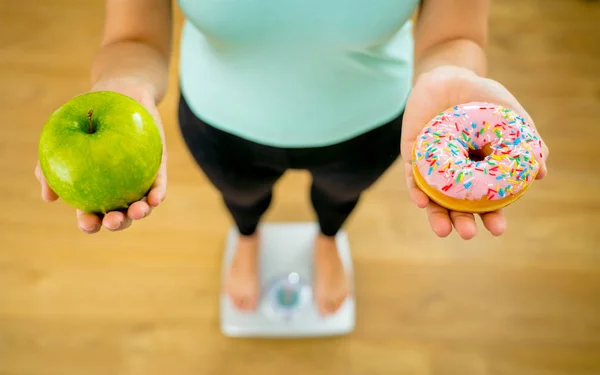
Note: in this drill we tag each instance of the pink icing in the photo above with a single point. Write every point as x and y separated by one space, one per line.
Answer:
442 152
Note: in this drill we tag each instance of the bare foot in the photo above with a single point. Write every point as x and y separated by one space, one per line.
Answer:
330 284
242 284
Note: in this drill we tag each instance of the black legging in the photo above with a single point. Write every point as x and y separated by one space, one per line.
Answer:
245 172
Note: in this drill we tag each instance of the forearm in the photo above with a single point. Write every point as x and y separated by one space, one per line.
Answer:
451 33
462 53
132 61
135 47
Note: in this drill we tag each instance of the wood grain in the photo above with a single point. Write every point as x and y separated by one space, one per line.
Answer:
144 301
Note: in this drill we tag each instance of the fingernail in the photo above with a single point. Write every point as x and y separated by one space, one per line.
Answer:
92 229
113 227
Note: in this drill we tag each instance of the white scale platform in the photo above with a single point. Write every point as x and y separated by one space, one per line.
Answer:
286 308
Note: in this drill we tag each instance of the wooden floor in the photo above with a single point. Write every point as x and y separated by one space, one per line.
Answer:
145 301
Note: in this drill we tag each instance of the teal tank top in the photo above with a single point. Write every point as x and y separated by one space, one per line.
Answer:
296 73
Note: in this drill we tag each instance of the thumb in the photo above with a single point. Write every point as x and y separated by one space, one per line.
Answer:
543 168
47 193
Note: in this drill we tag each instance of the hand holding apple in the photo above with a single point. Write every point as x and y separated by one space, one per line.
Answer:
104 153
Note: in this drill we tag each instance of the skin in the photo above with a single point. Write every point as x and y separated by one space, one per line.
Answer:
450 68
133 60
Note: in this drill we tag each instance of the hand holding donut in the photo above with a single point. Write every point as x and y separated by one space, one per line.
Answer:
465 159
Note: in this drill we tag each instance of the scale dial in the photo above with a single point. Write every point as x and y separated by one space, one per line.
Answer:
287 296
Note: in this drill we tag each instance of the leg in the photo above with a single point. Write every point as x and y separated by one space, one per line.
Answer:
349 169
247 193
244 173
247 205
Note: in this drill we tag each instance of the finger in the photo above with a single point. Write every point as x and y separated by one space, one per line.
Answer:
126 224
113 220
158 192
88 223
416 195
494 92
439 220
464 224
542 172
47 193
494 222
139 210
38 172
543 168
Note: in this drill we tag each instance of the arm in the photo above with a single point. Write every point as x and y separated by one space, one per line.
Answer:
450 68
451 32
136 45
133 59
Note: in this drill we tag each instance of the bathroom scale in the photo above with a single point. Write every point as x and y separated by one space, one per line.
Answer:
286 308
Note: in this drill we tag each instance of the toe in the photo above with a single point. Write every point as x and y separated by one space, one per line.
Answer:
337 303
331 306
244 302
238 302
341 301
326 305
242 298
322 305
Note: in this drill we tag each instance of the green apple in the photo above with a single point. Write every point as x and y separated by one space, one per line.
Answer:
100 151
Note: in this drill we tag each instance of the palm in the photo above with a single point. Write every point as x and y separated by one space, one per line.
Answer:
117 220
433 93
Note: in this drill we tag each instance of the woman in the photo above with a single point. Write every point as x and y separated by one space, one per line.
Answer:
329 86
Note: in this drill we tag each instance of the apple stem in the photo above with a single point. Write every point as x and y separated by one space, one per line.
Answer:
90 121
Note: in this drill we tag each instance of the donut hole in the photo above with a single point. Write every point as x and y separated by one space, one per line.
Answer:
481 153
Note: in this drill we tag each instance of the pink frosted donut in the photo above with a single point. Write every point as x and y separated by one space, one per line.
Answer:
476 157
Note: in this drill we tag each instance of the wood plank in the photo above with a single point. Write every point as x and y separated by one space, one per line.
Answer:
145 301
